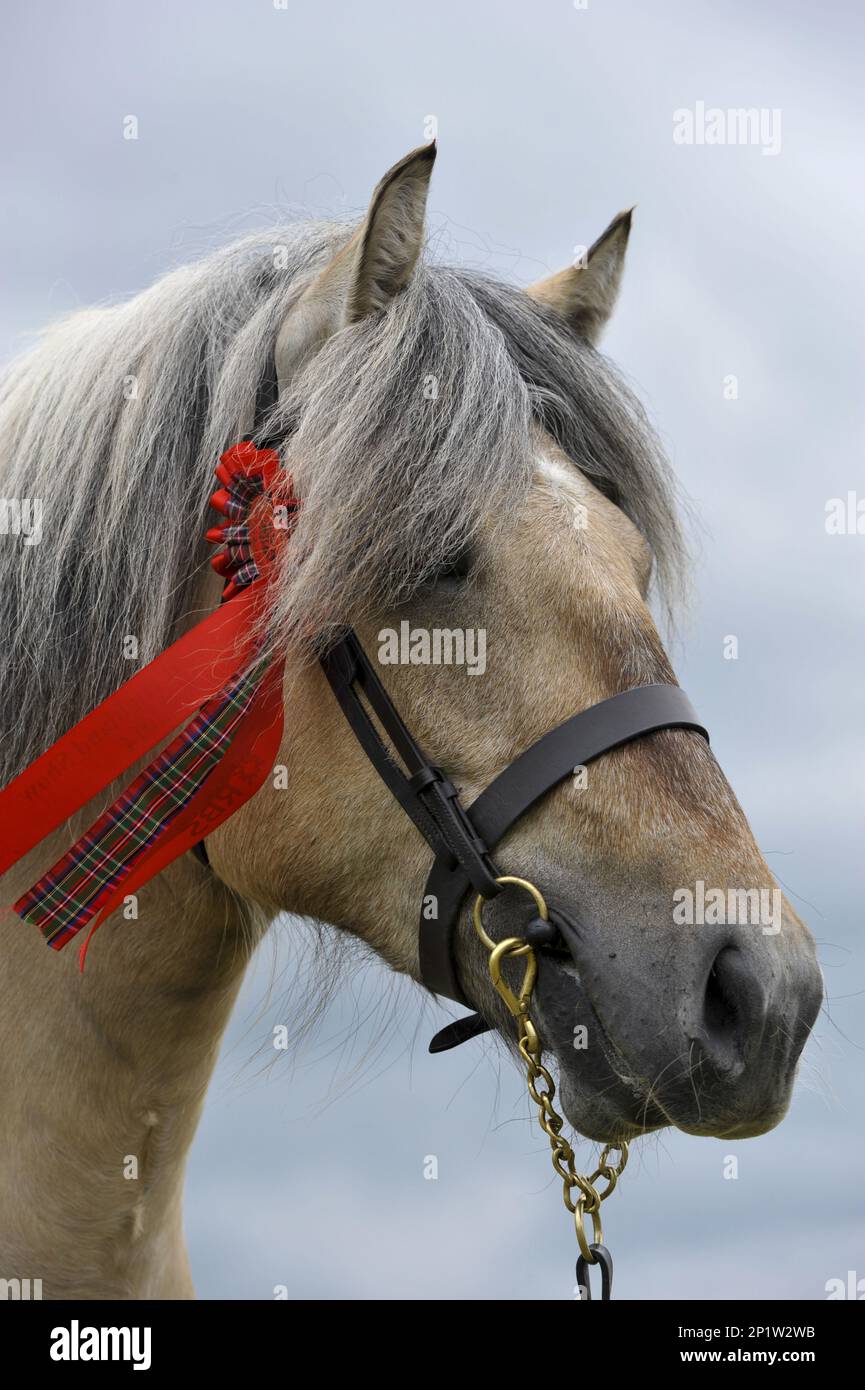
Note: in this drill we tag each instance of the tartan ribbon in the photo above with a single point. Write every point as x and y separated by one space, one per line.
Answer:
223 672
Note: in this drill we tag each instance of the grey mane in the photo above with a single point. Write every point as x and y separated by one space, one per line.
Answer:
405 434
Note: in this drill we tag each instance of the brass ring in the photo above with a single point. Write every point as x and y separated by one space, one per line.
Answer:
540 904
621 1150
611 1176
597 1229
604 1170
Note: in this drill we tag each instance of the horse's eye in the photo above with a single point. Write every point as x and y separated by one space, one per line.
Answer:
456 571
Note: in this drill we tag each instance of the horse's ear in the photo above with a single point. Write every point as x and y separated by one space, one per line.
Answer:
391 237
370 269
585 294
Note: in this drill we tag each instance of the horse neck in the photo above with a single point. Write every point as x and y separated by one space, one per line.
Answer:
103 1077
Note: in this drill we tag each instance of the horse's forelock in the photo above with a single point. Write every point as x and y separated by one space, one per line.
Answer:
407 432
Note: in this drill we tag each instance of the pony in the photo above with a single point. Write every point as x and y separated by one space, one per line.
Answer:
466 460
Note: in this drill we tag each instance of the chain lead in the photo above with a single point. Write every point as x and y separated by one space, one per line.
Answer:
541 1086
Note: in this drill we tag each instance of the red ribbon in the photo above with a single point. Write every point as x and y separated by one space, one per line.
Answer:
259 509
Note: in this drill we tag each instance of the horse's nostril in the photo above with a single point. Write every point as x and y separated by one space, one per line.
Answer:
719 1010
732 1008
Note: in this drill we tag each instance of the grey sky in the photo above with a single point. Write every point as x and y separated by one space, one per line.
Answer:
550 119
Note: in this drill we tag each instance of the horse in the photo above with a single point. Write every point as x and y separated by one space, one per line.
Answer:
466 461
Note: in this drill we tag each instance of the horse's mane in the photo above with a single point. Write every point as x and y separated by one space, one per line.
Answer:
405 434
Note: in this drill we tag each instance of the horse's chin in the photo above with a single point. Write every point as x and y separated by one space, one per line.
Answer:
592 1118
595 1094
739 1129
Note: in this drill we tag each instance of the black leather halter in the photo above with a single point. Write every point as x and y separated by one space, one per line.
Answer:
462 839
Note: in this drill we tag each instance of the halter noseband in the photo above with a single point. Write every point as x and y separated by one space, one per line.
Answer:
462 839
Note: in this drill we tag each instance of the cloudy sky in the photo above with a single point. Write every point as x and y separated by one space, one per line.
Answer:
746 262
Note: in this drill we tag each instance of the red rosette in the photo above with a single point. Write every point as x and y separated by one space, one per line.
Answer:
257 500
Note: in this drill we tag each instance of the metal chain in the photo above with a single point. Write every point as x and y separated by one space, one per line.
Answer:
542 1089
